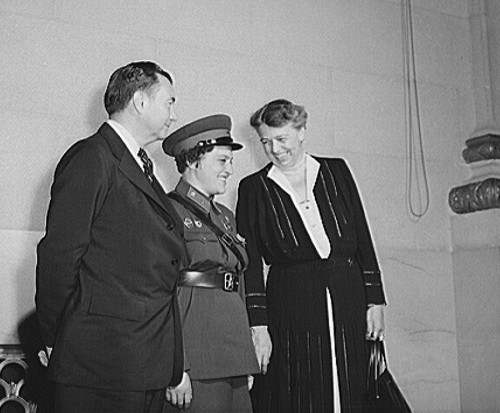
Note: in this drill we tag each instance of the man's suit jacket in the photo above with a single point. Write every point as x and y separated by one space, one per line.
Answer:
107 271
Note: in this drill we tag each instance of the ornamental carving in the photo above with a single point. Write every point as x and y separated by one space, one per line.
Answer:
475 197
482 148
13 370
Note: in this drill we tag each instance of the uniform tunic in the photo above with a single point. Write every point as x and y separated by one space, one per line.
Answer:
294 302
217 338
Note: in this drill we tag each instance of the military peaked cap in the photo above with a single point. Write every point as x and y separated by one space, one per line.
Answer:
214 130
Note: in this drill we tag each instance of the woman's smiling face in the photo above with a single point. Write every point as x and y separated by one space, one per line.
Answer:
282 145
211 172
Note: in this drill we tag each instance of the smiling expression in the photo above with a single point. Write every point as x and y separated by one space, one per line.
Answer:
210 173
282 145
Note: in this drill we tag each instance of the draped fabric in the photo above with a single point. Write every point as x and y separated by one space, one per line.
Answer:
300 374
293 302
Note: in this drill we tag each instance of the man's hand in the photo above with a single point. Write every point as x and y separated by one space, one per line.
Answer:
250 382
181 395
263 346
375 322
44 356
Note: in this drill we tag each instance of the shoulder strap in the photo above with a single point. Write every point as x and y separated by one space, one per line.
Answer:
224 237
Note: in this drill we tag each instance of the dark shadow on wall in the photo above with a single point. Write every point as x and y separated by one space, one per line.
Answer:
36 389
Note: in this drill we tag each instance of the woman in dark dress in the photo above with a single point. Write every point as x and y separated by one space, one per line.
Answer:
302 216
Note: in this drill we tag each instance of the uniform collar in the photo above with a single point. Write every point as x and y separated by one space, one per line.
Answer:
188 191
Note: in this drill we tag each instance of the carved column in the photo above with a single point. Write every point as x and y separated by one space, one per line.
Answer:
476 236
482 154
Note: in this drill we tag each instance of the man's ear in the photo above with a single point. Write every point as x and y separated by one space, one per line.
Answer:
139 101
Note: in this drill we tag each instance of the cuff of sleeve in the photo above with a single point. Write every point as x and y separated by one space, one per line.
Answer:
187 366
257 316
375 295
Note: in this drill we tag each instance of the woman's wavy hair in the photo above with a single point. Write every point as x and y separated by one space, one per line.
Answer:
279 113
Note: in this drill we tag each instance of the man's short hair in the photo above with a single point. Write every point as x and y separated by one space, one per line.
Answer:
127 80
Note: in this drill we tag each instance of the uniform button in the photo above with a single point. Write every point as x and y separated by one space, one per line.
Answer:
174 262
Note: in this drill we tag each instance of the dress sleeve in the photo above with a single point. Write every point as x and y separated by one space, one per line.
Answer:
247 219
365 252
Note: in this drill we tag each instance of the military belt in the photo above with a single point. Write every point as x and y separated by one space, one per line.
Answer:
215 278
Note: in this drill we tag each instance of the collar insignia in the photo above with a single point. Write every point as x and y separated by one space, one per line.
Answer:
188 223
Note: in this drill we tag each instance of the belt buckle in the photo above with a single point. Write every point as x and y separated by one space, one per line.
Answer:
231 282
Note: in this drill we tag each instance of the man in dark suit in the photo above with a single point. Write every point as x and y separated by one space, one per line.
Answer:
108 264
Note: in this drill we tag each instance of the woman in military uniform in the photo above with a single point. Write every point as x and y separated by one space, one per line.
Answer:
219 353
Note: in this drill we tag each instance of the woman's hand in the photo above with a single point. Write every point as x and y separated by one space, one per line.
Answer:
375 322
181 395
263 346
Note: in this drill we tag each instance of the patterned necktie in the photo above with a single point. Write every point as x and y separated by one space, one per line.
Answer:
148 165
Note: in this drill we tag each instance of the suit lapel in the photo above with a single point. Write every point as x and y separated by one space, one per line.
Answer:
129 167
132 171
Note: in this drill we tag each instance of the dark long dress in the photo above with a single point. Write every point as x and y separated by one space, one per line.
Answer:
294 305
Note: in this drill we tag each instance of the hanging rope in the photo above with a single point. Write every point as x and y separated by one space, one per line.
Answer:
417 187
